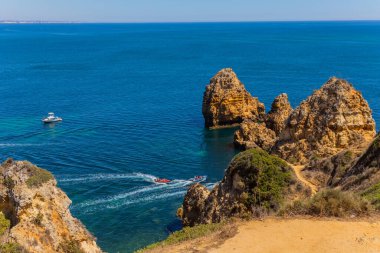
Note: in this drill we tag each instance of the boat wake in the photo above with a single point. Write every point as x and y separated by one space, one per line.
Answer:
136 195
20 144
103 177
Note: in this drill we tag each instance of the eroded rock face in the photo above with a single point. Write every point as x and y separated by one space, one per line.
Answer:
254 135
226 101
328 171
39 211
193 204
254 182
332 119
365 172
279 113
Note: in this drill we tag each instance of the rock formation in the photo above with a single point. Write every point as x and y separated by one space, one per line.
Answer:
328 171
365 172
279 113
332 119
38 211
254 135
254 182
226 101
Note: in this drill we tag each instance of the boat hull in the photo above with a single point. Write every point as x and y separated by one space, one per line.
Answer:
47 121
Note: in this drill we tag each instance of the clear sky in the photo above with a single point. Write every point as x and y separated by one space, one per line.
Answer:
188 10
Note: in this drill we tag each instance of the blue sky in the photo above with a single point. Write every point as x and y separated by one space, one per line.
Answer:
188 10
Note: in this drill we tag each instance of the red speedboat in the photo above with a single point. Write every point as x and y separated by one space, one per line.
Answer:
162 180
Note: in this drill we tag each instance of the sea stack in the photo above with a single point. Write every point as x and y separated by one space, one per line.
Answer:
226 102
332 119
35 212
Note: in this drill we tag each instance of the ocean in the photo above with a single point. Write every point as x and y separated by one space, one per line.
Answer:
130 96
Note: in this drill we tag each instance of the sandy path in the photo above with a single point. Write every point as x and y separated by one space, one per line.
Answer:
304 235
297 170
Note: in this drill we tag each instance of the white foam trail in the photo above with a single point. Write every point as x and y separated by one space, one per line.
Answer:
146 199
101 177
177 184
19 144
119 196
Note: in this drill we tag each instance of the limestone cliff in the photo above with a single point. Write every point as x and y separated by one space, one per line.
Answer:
255 182
328 171
254 135
40 219
332 119
226 101
365 171
279 113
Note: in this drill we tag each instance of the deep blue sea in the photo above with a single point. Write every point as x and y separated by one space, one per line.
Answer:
131 95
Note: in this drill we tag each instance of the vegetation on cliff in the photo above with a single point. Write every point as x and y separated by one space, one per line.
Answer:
329 202
372 194
266 178
187 233
35 215
255 183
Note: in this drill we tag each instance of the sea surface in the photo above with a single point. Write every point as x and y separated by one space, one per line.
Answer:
131 95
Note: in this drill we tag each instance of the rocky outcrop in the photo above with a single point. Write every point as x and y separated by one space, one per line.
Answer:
365 172
254 135
255 182
226 102
40 219
333 118
328 171
193 204
279 113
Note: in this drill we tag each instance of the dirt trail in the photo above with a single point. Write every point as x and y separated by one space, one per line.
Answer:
297 170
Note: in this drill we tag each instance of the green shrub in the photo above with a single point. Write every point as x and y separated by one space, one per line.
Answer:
9 183
266 177
372 194
329 202
4 224
11 247
187 233
70 247
37 176
38 219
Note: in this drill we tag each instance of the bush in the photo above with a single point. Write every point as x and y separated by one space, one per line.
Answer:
187 233
38 219
9 183
329 202
70 247
266 177
11 248
37 176
372 194
4 224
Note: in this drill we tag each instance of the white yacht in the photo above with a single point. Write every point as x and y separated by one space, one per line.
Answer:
51 118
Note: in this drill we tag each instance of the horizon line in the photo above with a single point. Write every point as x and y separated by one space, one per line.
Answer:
179 22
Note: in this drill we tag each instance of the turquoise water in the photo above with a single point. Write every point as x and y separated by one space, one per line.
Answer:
131 97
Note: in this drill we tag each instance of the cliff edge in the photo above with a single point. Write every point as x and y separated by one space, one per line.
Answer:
35 213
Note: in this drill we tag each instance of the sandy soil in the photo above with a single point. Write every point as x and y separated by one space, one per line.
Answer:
304 235
296 235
